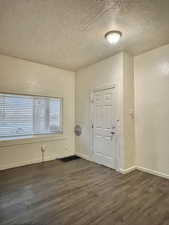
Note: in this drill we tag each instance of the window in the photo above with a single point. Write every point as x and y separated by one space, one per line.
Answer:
29 115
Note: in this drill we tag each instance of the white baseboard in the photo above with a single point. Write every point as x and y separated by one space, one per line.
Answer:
83 156
146 170
30 162
18 164
128 170
153 172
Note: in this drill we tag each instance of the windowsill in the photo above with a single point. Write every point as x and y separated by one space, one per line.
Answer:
9 141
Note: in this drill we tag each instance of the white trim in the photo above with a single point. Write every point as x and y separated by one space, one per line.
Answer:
24 163
131 169
128 170
30 139
153 172
30 162
145 170
83 156
18 164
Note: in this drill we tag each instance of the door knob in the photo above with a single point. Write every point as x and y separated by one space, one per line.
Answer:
112 132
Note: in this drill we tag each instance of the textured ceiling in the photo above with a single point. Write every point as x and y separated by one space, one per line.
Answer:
70 33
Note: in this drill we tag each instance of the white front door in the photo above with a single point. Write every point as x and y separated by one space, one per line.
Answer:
104 127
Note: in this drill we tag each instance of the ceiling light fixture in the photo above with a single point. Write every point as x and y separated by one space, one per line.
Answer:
113 37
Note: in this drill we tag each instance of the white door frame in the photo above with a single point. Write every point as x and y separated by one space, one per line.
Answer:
117 153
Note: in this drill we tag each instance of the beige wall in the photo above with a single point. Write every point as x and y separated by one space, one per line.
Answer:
151 71
128 111
108 71
23 77
151 78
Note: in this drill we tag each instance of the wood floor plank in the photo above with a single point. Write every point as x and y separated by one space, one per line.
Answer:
79 192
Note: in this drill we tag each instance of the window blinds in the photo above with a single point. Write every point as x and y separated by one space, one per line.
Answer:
29 115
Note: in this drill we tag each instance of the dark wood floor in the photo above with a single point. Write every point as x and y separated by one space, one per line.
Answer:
81 193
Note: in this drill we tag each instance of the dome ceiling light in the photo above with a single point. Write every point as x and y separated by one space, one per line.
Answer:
113 37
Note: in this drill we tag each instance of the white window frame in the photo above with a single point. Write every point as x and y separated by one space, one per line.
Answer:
40 135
